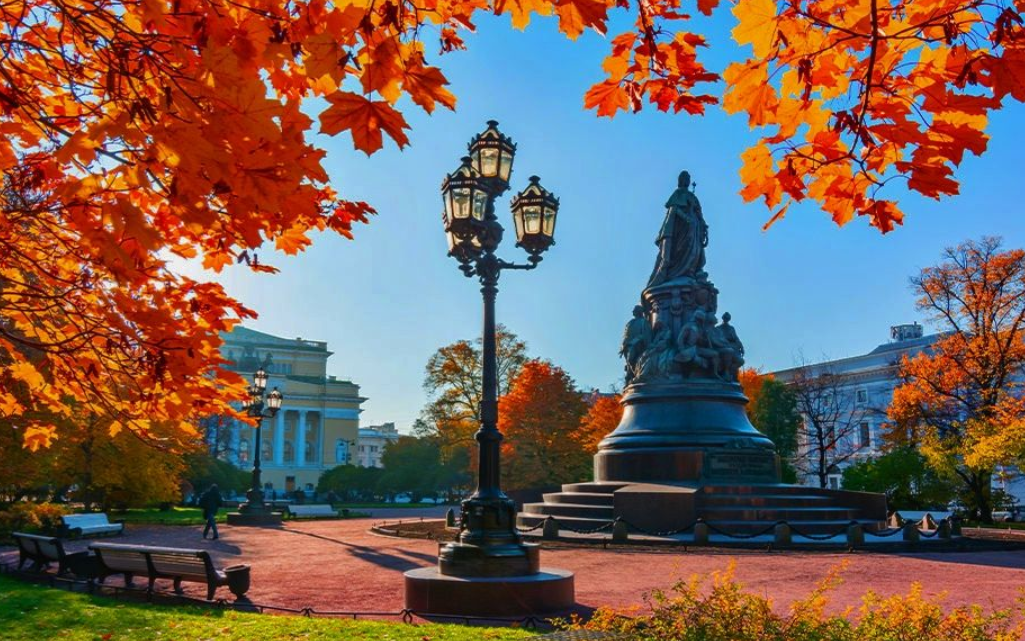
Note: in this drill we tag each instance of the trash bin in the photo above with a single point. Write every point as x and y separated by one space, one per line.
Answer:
238 579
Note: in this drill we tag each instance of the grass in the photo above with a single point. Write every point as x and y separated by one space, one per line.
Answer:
31 612
177 516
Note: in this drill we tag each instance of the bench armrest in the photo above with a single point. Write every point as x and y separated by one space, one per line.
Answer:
116 521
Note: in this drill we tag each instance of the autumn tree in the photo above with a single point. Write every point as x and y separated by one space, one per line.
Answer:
604 412
540 418
829 428
772 409
453 380
965 391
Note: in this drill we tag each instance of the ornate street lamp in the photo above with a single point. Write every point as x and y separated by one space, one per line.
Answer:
489 552
259 406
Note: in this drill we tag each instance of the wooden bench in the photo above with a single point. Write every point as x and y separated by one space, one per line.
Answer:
90 525
310 511
177 564
44 550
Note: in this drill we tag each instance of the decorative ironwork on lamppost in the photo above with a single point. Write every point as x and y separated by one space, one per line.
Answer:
488 544
259 406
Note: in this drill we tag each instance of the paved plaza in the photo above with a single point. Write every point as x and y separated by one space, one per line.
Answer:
340 565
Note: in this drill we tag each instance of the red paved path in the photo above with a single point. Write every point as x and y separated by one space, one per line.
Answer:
339 565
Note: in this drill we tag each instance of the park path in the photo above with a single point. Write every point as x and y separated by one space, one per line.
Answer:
341 566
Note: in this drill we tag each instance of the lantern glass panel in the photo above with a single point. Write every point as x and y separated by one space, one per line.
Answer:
260 379
505 166
488 163
480 204
532 219
518 221
461 202
549 221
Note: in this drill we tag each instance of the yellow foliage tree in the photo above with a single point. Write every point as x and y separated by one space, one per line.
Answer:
965 392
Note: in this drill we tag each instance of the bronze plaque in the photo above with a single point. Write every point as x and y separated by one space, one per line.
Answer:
741 466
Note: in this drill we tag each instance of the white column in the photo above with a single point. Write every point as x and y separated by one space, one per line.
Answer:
300 438
320 438
279 438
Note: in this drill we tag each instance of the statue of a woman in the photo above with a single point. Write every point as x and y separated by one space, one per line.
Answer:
683 237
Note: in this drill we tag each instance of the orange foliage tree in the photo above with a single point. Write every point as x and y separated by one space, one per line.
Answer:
138 131
965 393
602 417
540 418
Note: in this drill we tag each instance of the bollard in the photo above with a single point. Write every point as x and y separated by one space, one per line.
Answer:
550 530
911 533
619 531
943 529
855 536
782 535
450 517
701 533
955 527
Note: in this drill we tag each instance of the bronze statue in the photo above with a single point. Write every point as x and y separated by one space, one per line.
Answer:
683 237
636 338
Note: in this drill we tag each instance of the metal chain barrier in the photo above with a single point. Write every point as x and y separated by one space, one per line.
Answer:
734 535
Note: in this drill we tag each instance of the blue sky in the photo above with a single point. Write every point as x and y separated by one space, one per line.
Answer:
386 301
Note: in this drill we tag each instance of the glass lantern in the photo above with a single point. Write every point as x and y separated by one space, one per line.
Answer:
492 155
465 208
534 213
260 379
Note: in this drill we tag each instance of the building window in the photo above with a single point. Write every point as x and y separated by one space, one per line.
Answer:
866 435
243 451
289 452
862 396
265 454
308 449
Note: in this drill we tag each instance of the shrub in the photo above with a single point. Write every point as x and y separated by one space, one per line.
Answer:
717 608
31 517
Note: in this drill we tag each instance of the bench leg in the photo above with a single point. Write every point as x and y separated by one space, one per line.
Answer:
128 579
21 561
152 580
210 590
178 585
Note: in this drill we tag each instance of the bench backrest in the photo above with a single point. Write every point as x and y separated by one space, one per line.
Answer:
144 559
39 546
189 564
86 520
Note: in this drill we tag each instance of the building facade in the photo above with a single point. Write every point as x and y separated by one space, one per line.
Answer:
372 441
318 424
860 389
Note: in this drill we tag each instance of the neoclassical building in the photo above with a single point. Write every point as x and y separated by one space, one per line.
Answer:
868 381
318 424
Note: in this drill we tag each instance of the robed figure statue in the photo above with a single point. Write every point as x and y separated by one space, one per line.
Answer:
683 237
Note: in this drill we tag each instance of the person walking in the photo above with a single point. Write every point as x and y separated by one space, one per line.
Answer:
210 502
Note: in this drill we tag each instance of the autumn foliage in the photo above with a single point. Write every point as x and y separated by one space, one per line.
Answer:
603 416
540 417
137 132
964 395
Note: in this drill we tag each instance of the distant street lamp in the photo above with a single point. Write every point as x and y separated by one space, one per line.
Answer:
488 543
259 406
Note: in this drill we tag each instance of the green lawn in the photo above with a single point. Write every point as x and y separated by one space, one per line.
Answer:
31 612
177 516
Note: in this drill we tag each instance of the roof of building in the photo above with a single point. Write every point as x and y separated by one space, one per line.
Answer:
240 334
883 356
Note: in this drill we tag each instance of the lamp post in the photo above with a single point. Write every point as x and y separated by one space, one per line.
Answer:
488 570
258 405
488 544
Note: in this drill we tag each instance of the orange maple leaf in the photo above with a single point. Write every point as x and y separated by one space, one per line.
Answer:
365 119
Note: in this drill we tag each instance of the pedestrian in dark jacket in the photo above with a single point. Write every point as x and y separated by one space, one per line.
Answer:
210 502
